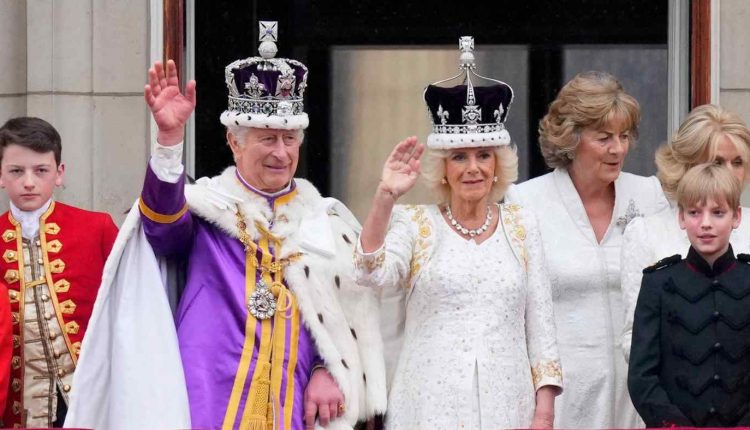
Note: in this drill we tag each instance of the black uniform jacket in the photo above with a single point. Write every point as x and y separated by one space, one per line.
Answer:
690 361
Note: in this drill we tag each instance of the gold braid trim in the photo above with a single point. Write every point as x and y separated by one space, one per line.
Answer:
266 379
160 218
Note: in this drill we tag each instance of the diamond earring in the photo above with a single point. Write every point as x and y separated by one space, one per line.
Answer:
443 181
494 179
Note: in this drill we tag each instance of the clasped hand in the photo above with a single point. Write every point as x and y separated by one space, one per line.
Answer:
322 398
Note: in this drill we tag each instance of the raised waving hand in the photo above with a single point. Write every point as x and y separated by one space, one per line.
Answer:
400 173
401 169
169 107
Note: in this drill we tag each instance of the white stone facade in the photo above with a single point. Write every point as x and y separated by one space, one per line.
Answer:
81 65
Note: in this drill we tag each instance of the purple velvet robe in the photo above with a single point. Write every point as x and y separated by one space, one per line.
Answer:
212 312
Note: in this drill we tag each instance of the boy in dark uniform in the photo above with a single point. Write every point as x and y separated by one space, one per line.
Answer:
690 359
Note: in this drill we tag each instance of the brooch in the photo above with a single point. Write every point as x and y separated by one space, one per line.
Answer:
262 303
630 213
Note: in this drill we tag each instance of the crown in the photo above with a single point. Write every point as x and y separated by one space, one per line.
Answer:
264 91
466 115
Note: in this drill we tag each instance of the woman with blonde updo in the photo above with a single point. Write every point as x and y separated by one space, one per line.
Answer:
462 281
583 207
710 133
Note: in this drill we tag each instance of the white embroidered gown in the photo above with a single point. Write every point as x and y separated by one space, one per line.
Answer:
585 278
479 333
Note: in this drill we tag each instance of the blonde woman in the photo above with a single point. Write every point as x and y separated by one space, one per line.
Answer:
583 207
478 347
710 133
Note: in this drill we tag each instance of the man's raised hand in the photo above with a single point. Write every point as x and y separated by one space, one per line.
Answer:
169 107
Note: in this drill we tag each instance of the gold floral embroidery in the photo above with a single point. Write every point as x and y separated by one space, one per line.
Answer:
546 369
368 262
512 221
422 244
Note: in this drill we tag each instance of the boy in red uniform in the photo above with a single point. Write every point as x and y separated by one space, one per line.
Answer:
51 261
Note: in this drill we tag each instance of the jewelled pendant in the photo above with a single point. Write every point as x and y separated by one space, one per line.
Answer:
262 303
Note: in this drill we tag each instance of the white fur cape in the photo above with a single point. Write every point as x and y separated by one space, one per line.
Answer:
130 376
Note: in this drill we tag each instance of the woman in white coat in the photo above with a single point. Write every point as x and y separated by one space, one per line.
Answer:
583 207
478 337
710 133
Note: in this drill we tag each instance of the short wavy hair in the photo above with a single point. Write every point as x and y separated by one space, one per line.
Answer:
590 99
433 171
697 141
708 181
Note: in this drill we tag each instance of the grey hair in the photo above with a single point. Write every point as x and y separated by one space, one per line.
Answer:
240 133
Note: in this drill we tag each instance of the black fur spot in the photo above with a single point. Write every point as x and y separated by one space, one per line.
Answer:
338 281
307 272
344 363
236 122
249 118
364 377
346 239
354 333
320 318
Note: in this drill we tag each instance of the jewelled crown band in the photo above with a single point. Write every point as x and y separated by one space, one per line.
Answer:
264 91
466 115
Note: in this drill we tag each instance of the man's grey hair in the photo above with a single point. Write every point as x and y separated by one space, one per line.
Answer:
241 132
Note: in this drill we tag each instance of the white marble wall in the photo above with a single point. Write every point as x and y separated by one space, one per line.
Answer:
80 64
734 58
12 64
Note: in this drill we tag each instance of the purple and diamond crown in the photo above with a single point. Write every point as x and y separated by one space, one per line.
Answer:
467 115
266 92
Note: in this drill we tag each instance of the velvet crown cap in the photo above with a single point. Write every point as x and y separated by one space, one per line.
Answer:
266 92
466 115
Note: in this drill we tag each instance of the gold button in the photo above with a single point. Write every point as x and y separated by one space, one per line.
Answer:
61 372
38 243
13 294
10 256
48 316
52 336
66 388
58 354
45 297
9 235
40 261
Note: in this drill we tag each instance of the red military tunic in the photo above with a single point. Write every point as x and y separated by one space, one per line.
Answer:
6 345
52 281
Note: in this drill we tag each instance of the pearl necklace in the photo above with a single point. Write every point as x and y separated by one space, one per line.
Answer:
464 230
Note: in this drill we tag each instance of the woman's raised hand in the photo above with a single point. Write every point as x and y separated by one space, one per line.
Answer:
169 107
401 170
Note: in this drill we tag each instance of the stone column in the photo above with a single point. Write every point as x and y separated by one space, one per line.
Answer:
80 64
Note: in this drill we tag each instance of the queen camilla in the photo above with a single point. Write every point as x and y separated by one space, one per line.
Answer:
478 348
